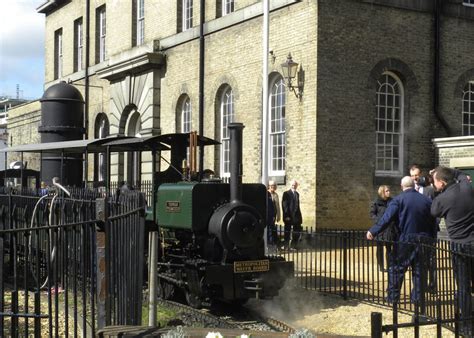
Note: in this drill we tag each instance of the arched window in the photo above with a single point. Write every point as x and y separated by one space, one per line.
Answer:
133 158
389 125
186 111
468 109
277 128
101 131
227 116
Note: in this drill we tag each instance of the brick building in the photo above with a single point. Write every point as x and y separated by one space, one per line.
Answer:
381 79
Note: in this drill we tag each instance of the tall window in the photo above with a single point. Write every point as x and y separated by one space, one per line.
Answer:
101 131
133 158
58 53
389 125
277 128
187 14
469 3
227 7
227 116
140 21
468 109
78 44
186 116
100 34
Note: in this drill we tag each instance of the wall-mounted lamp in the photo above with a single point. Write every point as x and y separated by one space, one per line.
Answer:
290 71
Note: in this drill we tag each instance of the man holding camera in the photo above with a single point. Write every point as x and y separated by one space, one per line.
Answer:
455 203
422 183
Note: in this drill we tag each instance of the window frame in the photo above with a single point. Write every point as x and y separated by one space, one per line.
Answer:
133 159
228 6
227 115
187 15
277 126
78 44
140 26
467 99
102 33
398 90
58 53
186 115
102 130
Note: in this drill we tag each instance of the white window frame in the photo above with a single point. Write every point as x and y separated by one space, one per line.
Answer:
227 116
133 128
59 53
140 22
468 109
389 128
102 34
468 3
187 14
79 46
101 160
277 128
227 7
186 113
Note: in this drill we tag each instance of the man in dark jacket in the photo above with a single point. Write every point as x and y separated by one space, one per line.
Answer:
421 182
416 225
455 204
423 186
292 214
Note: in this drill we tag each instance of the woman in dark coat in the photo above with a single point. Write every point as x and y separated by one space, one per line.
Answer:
390 234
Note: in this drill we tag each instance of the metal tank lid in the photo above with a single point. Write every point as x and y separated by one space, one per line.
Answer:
62 91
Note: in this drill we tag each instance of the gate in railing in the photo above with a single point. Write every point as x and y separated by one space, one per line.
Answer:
70 264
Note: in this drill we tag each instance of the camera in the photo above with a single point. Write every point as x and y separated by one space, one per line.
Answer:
423 181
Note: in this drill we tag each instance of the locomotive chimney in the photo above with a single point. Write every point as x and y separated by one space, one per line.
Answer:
235 130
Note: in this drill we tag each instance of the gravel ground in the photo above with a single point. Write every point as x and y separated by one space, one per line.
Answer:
332 315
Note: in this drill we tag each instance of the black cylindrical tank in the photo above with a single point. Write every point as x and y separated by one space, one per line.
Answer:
62 119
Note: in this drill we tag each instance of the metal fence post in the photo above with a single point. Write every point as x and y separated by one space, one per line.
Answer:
101 216
376 325
153 276
344 267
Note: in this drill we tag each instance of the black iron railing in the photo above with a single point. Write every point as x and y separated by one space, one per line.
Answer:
82 258
51 272
345 263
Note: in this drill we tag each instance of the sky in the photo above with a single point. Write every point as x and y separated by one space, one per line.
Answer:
21 48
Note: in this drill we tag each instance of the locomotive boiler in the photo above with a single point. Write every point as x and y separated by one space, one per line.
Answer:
212 245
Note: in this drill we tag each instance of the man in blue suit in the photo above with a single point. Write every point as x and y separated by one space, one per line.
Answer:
416 227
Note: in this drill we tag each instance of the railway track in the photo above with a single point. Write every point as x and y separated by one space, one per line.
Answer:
239 319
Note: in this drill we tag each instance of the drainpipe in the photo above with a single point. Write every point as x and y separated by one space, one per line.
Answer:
436 70
201 83
86 71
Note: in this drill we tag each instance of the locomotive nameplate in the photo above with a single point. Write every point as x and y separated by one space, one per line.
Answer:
252 266
173 206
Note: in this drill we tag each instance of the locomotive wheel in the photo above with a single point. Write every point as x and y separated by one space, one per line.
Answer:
193 300
165 290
